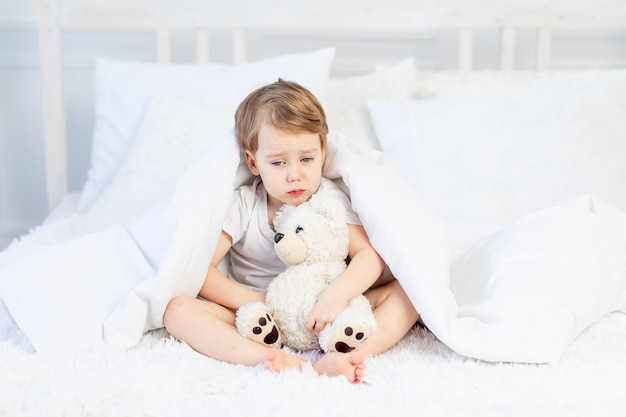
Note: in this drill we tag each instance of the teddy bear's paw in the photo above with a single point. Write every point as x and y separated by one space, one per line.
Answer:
263 330
347 338
256 323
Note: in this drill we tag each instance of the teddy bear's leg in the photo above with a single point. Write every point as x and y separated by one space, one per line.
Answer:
350 328
255 322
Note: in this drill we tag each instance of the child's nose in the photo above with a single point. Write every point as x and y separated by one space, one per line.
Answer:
293 173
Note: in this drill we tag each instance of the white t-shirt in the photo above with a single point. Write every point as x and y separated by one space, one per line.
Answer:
253 260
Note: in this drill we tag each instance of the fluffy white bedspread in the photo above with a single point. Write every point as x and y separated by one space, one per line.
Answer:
418 377
521 296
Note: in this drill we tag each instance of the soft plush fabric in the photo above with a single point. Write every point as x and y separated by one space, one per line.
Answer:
482 161
346 103
124 88
419 376
127 276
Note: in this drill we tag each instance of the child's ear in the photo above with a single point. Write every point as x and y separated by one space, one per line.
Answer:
251 161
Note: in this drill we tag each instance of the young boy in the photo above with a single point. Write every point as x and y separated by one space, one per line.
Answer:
282 130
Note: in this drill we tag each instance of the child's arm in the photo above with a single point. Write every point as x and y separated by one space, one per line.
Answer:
364 269
220 289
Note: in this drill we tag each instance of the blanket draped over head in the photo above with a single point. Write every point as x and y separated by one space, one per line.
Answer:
521 296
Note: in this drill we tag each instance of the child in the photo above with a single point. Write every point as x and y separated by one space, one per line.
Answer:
282 130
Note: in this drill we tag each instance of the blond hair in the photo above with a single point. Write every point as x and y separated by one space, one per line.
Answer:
287 106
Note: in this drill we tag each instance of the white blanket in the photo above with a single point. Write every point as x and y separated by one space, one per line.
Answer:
522 296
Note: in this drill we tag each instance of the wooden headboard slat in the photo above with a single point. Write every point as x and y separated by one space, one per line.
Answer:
203 45
240 46
163 45
466 49
507 49
55 129
543 48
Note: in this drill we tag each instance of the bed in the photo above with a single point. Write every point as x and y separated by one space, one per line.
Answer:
495 197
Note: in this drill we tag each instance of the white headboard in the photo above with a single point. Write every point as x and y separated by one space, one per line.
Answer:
374 18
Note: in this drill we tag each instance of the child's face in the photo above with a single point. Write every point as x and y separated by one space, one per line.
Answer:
289 164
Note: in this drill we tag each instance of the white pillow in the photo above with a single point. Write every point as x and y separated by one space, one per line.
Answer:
172 134
124 88
432 84
346 104
484 160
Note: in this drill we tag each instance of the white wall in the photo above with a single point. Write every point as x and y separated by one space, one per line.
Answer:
22 189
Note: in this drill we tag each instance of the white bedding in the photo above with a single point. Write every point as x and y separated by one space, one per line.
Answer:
106 288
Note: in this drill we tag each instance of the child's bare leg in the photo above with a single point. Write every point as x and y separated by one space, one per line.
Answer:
209 328
395 316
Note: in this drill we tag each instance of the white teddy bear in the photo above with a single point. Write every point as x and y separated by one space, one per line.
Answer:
312 239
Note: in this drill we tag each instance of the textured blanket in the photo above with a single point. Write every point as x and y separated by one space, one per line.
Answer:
521 296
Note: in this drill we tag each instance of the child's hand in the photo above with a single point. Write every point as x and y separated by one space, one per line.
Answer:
328 305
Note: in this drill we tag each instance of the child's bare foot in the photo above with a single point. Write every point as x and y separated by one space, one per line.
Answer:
277 360
351 365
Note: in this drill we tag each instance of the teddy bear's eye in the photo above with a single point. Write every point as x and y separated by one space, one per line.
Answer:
299 229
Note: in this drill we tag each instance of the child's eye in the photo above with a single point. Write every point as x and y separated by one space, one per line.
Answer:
277 163
307 159
299 229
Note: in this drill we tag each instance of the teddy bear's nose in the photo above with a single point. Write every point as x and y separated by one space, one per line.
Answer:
278 237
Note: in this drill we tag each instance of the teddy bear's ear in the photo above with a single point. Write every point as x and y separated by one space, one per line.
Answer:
329 208
281 214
